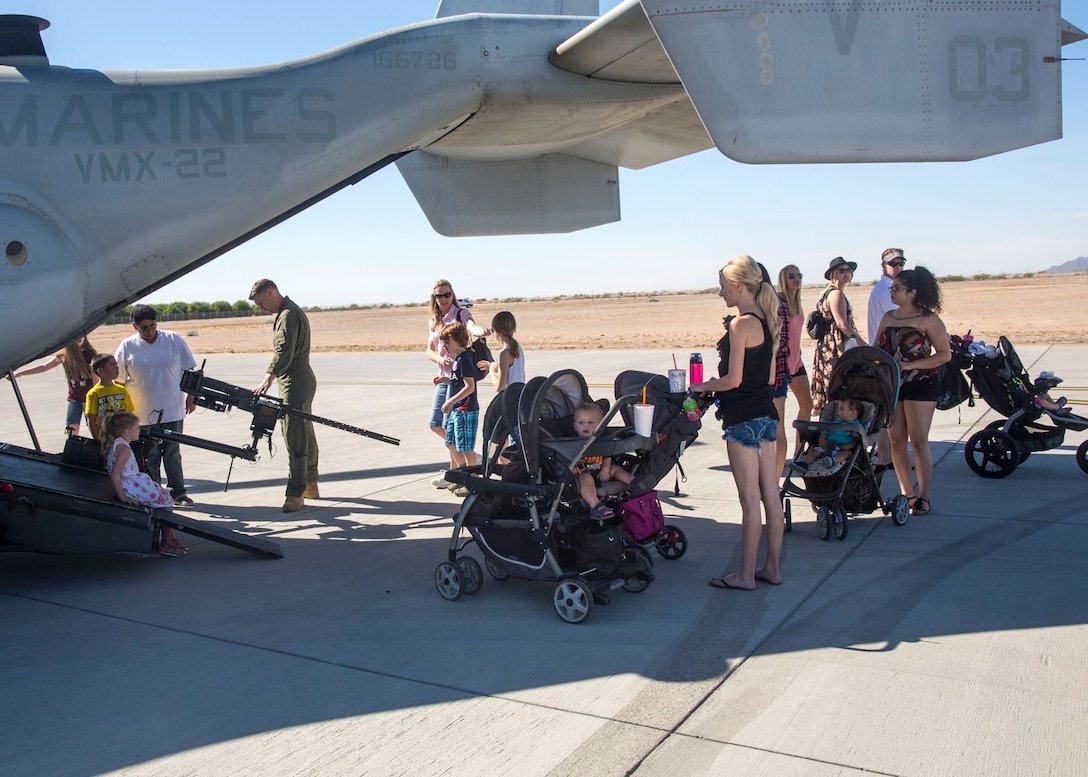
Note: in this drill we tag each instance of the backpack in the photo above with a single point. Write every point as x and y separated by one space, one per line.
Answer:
479 350
480 353
816 325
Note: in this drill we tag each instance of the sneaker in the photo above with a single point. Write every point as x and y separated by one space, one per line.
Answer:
175 550
311 491
183 501
453 486
460 491
293 504
440 481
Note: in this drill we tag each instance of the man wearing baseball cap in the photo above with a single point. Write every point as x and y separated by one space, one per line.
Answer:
880 302
880 298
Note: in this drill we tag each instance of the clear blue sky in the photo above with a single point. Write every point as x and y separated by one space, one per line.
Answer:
1017 212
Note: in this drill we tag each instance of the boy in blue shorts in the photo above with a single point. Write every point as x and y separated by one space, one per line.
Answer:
463 406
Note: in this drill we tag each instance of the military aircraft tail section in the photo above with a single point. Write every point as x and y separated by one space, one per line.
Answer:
868 81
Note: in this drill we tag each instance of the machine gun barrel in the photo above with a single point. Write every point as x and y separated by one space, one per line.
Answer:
343 427
221 396
249 453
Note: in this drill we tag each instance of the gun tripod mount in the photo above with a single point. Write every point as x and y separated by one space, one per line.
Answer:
220 396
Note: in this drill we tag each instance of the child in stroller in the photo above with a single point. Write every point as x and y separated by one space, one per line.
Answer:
833 447
865 378
596 474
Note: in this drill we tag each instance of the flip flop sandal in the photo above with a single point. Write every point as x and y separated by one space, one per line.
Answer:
920 506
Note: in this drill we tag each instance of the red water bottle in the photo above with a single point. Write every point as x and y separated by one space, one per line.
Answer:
695 369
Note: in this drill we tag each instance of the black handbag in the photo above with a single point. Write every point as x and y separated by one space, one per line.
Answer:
817 326
954 387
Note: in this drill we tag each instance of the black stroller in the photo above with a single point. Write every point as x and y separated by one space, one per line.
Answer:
524 512
1001 380
850 487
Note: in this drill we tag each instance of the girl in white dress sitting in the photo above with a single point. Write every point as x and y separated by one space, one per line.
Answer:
132 486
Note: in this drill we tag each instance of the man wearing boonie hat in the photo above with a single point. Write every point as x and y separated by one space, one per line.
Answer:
290 368
880 302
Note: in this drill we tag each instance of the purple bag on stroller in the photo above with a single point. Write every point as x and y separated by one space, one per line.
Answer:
642 516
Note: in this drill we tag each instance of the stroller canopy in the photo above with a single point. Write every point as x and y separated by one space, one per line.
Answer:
869 374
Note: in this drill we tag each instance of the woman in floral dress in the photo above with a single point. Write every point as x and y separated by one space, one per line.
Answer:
838 312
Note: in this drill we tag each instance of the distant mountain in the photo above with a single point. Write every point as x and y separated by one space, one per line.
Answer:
1080 264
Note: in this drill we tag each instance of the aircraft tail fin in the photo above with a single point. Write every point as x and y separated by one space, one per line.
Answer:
535 7
547 194
868 81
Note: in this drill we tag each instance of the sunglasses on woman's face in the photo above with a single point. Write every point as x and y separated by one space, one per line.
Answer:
897 289
447 295
794 276
844 270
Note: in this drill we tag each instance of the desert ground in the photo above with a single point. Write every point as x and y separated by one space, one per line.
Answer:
1044 309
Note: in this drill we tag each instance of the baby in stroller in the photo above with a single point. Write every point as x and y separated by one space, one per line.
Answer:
833 447
597 474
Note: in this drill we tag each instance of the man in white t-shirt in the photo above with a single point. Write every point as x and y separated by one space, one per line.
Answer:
880 302
150 364
880 298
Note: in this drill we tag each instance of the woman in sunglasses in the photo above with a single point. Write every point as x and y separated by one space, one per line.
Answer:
789 291
917 339
444 311
841 330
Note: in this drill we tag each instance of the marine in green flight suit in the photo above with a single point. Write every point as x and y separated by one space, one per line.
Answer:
290 367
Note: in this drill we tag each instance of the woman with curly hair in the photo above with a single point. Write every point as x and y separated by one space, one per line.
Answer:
917 339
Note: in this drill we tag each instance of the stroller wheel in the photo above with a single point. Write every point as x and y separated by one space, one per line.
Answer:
992 453
1082 456
639 569
494 569
447 579
823 520
573 600
900 509
472 574
673 543
839 527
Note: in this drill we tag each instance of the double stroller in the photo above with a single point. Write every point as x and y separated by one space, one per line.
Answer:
524 511
1031 422
850 486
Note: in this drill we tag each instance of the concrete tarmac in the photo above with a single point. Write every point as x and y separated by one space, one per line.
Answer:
952 645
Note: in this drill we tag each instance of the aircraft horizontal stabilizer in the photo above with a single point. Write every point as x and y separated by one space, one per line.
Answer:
547 194
867 81
1071 33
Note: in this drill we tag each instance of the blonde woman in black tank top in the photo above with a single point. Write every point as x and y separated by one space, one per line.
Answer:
749 416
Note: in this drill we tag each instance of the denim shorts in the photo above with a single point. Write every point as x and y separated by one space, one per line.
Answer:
74 414
781 392
754 432
441 393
